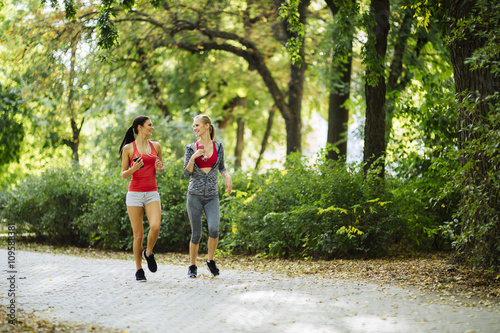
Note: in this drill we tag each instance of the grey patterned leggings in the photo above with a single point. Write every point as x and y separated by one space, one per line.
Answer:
196 204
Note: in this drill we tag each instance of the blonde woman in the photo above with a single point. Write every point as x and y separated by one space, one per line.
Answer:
202 162
142 159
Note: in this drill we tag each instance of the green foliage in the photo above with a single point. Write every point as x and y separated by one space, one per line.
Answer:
175 230
11 128
324 210
289 12
48 205
104 220
475 230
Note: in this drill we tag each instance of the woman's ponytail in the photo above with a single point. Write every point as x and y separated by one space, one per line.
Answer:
212 132
129 136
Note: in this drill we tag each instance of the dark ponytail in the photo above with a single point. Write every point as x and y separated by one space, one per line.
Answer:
129 136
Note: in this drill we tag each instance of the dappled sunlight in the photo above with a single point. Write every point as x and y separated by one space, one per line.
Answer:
375 324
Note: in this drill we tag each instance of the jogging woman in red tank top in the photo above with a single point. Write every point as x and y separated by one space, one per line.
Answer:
142 159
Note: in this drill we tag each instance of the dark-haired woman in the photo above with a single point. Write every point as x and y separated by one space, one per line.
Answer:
203 159
142 159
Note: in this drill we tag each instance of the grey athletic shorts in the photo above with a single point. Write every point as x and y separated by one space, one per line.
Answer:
141 199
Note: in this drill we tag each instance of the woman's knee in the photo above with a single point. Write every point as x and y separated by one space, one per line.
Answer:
213 233
154 227
138 237
195 238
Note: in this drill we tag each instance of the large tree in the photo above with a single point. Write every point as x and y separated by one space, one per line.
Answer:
341 68
375 87
474 38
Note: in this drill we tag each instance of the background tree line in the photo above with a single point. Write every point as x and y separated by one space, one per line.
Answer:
424 75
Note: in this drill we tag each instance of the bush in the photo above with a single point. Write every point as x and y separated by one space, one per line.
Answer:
47 205
105 218
323 211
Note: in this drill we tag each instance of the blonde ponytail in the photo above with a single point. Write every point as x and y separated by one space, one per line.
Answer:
212 132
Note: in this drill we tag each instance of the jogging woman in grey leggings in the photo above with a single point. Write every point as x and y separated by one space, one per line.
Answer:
202 161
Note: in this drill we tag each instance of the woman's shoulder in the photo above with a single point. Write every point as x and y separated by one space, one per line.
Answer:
129 146
156 144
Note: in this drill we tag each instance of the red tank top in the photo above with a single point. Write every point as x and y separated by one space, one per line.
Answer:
206 162
144 179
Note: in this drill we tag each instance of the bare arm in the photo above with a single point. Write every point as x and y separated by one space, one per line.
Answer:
229 182
127 154
159 166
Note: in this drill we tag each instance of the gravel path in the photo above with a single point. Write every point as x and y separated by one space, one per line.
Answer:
104 293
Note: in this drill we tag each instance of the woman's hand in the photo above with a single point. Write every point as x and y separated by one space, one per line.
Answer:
159 165
229 183
139 163
199 153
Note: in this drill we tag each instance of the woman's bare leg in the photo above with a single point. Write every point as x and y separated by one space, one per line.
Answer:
136 214
193 252
153 212
212 245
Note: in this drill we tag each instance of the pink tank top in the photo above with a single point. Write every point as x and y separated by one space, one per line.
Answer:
207 162
144 179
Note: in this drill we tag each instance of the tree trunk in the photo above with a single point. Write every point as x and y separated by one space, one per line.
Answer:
266 135
74 143
293 122
479 190
238 151
374 140
338 113
228 108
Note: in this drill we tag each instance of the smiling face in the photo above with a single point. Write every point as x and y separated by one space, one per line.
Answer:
147 128
199 127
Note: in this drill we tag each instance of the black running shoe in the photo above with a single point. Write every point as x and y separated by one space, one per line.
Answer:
212 267
151 262
193 271
139 275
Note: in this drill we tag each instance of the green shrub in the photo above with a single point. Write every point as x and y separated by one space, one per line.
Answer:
324 210
105 218
48 205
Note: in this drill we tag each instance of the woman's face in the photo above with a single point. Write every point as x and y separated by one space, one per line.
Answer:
147 128
199 127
